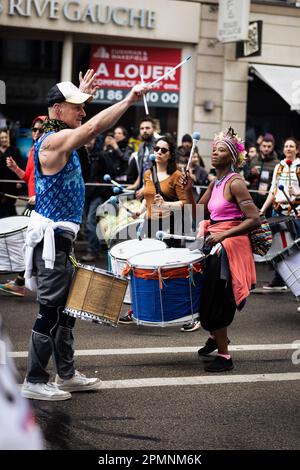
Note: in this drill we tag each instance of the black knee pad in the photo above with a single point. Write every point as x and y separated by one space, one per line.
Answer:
46 320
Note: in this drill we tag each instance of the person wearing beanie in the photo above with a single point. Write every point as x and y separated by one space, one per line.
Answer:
183 151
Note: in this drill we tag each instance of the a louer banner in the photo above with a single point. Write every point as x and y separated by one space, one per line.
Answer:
119 68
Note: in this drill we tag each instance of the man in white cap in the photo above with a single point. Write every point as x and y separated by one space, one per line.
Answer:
52 229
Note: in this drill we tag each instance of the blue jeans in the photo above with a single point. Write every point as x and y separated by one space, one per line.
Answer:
91 224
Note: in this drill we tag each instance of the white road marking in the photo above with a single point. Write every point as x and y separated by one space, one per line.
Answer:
202 380
171 350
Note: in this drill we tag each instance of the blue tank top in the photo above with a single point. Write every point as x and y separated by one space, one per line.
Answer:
59 197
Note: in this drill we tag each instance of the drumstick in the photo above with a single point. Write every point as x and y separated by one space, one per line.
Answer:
14 197
170 71
289 163
144 97
281 188
108 179
160 235
154 174
196 138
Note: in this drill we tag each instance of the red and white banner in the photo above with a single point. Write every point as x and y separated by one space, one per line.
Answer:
119 68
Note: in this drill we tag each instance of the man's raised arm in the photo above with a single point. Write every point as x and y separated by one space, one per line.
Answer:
69 140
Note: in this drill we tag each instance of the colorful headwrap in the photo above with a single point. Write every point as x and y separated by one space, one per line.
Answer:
234 144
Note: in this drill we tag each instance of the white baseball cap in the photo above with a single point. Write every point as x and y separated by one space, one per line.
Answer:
67 91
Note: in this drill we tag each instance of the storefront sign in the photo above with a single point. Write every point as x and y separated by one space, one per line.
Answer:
119 68
76 12
251 47
233 20
167 20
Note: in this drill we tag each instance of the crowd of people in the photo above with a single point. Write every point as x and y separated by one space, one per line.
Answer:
65 150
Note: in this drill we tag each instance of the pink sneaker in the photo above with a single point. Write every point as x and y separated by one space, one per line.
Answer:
11 288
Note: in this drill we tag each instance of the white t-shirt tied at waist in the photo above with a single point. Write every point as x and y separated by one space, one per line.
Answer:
40 228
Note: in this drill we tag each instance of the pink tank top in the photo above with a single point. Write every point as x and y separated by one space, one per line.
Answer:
219 207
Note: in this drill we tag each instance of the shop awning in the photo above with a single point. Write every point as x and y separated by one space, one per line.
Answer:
284 80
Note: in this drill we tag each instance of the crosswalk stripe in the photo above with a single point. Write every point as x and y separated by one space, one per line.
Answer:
197 380
202 380
172 350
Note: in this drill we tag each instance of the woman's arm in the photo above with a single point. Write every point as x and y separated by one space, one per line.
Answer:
12 165
268 202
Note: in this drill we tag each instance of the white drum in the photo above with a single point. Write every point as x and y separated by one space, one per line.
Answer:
119 254
12 239
287 264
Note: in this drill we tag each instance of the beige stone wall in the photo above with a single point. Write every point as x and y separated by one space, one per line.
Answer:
209 81
224 80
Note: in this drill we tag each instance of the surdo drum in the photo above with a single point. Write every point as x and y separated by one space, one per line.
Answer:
166 286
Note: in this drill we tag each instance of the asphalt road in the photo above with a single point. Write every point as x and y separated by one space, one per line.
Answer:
176 405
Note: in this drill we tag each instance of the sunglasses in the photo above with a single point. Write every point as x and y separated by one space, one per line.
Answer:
162 149
37 129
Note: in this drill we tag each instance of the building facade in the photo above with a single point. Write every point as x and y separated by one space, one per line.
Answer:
46 41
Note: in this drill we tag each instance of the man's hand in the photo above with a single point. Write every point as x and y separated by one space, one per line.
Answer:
32 200
112 142
87 82
137 92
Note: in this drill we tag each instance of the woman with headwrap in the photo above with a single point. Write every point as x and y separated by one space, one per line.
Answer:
230 271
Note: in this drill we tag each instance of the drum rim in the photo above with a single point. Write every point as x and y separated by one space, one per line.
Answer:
169 265
100 271
136 254
87 316
16 230
282 255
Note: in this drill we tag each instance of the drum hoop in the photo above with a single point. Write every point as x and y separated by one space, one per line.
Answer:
281 256
13 232
167 266
83 315
100 271
178 264
140 253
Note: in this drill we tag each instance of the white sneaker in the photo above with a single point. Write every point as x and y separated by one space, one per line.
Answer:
41 391
78 383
